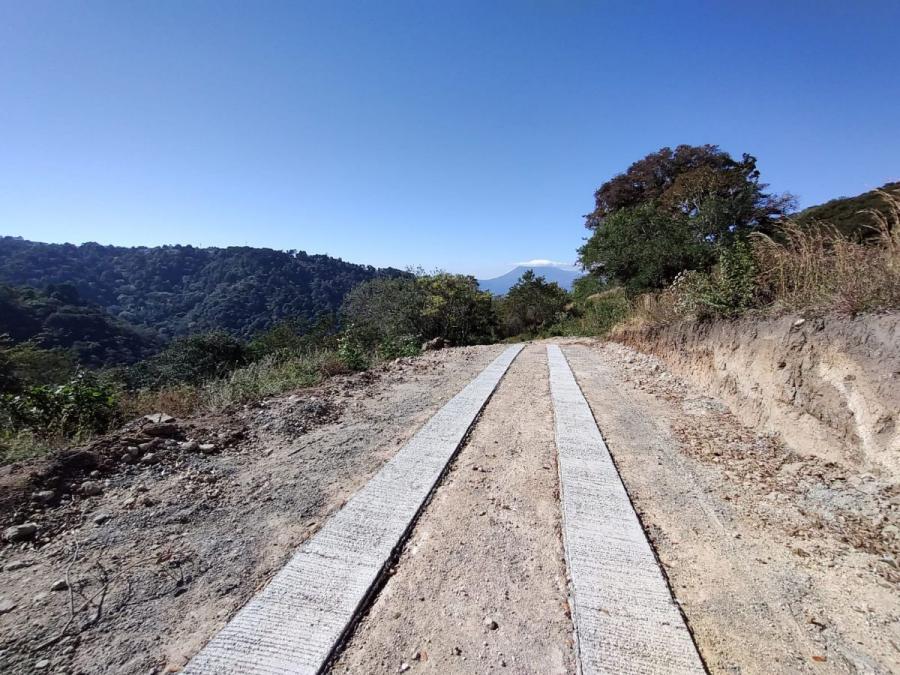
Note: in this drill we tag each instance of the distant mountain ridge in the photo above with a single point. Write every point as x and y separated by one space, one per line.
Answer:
500 285
178 290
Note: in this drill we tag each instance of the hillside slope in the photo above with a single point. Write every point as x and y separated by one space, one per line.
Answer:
848 214
60 319
182 289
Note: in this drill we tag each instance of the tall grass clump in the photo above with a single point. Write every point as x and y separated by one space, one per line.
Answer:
269 376
817 268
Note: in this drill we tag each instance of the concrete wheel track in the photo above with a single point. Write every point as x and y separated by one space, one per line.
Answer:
623 617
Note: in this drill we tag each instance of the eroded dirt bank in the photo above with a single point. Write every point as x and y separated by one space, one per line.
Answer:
781 561
140 556
481 584
829 386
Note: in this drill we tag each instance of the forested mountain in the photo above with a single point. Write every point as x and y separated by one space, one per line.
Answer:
178 290
60 319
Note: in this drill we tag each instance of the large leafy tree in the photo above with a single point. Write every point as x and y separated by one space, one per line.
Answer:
671 210
532 303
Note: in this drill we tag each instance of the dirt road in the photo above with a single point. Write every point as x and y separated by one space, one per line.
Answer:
779 562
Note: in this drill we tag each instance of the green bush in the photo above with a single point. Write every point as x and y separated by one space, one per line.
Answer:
80 407
195 359
392 347
729 289
272 375
351 353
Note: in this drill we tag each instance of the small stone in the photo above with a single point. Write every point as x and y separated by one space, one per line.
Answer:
161 430
44 496
101 518
147 501
159 418
403 667
90 488
150 445
149 458
59 585
799 322
490 624
456 651
128 503
22 532
17 565
208 448
189 446
43 663
6 605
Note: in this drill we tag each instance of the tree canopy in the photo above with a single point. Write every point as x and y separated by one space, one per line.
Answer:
180 290
671 210
532 303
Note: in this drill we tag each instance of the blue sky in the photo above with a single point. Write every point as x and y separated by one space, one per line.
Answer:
462 135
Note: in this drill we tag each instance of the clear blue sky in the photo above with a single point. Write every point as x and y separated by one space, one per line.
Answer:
465 135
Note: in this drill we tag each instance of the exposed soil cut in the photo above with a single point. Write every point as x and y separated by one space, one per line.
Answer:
781 561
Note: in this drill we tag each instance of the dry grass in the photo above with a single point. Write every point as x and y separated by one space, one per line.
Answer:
818 269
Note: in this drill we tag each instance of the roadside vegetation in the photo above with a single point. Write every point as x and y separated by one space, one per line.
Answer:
689 234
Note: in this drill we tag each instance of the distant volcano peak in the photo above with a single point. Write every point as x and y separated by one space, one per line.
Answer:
562 274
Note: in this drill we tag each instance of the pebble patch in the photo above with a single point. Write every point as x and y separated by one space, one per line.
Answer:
625 618
298 620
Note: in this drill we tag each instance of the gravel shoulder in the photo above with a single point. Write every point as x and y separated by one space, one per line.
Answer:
481 584
781 562
154 556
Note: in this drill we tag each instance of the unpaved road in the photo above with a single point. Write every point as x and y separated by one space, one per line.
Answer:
779 561
486 549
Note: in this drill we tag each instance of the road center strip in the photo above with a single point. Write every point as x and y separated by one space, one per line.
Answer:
298 620
625 618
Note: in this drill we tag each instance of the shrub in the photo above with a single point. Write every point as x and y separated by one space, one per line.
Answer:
193 359
395 347
269 376
351 353
729 289
76 409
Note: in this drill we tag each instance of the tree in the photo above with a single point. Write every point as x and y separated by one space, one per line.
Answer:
532 303
456 310
683 180
384 308
672 211
644 247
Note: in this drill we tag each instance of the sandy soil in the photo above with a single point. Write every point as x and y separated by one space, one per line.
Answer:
486 549
781 562
151 566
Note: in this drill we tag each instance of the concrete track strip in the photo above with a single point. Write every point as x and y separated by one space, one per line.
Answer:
298 620
625 618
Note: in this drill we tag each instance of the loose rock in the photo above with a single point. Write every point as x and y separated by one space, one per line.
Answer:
90 488
59 585
6 605
22 532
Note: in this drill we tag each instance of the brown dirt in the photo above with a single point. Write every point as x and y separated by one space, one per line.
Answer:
487 548
781 561
190 537
830 386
